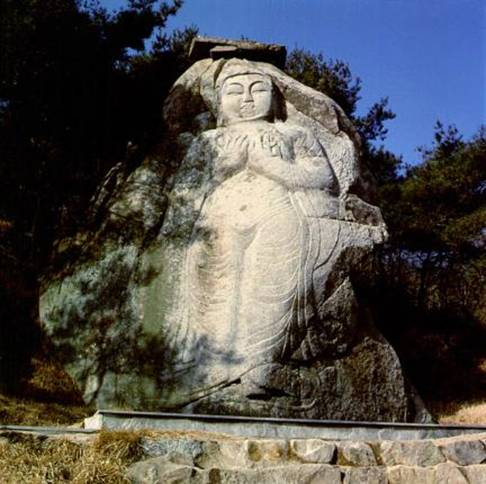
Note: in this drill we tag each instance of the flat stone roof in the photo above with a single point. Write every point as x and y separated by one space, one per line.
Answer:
218 48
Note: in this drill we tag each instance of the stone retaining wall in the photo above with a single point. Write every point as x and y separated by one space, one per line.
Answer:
209 459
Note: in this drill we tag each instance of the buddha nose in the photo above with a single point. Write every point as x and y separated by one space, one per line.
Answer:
247 97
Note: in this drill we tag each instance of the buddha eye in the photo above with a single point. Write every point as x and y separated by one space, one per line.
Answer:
259 87
234 89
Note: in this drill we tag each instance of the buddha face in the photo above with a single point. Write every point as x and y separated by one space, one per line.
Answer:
246 97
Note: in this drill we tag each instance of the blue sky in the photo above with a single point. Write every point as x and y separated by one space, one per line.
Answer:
427 56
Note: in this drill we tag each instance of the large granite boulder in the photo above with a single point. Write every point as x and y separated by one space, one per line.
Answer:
221 275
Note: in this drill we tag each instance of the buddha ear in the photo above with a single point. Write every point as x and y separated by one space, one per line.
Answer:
221 119
279 108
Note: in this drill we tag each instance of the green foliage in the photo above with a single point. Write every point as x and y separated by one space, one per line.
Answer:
330 77
441 203
73 96
371 126
71 99
431 290
334 78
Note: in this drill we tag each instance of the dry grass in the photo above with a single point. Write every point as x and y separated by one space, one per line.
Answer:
22 411
48 397
100 459
28 459
470 413
49 381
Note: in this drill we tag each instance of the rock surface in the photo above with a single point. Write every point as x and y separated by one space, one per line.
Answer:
356 454
464 452
313 451
271 461
221 277
422 453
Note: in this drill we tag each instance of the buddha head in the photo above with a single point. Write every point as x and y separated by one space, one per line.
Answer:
245 94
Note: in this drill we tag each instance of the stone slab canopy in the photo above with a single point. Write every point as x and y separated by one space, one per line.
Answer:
221 275
218 48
